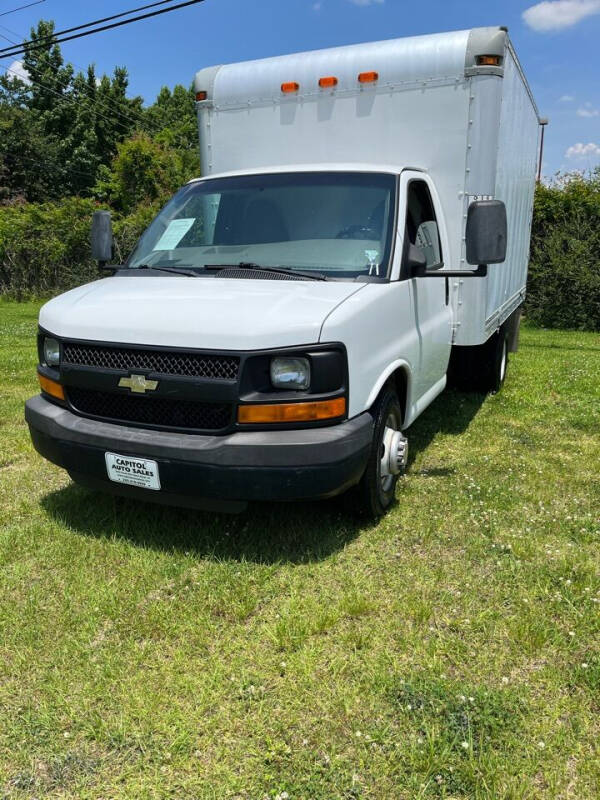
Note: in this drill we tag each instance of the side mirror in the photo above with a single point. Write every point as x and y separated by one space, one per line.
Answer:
487 232
102 237
416 260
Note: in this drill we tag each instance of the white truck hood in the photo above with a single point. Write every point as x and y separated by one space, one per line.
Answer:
212 313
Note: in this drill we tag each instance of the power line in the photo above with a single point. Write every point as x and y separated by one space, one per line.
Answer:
32 45
20 8
104 19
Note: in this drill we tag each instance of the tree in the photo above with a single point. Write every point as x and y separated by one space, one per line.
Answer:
171 120
75 120
143 172
60 132
31 167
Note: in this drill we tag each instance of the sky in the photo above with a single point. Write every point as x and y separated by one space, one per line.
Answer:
556 41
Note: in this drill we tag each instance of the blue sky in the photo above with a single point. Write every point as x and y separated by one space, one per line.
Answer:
556 41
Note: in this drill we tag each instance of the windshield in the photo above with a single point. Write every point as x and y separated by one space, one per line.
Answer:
338 224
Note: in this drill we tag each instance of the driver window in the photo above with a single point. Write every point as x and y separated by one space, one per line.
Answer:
421 224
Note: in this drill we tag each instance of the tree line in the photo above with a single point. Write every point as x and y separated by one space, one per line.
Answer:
72 141
67 133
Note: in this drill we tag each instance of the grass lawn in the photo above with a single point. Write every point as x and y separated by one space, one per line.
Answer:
451 651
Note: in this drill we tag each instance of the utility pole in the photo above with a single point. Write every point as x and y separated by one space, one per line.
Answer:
543 123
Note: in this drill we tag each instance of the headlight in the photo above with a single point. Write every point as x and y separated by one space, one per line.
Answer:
290 373
51 352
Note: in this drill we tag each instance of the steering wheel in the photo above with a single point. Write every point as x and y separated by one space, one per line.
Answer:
358 232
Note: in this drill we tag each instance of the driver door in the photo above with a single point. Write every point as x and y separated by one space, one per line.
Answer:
425 229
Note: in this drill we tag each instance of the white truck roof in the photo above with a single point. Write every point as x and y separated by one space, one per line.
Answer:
400 62
345 166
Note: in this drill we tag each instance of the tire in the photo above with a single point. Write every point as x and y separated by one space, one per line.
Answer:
375 494
481 368
499 363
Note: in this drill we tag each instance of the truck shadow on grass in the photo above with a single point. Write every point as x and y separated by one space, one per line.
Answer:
267 532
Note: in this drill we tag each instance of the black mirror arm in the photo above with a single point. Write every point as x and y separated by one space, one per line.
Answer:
104 266
421 272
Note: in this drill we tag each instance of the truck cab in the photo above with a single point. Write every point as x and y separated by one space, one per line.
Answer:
281 323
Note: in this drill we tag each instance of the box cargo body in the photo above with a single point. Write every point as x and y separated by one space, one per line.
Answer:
473 128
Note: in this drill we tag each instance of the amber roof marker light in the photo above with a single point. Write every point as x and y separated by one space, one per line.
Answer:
290 86
328 82
368 77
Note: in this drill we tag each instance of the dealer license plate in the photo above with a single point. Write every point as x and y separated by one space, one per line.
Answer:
131 470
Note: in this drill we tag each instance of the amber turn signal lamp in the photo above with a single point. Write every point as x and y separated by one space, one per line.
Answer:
290 86
200 96
328 82
489 61
293 412
368 77
51 387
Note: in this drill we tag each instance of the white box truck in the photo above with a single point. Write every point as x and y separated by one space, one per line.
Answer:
361 232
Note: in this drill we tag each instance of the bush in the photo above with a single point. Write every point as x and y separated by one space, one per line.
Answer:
564 272
45 247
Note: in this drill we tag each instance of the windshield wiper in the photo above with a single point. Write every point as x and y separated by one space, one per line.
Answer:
171 270
315 276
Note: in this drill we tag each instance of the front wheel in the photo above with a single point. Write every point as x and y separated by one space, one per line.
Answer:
387 459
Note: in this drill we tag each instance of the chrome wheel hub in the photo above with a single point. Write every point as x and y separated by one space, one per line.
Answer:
394 454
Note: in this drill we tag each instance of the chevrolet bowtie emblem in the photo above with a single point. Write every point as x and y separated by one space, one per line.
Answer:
138 384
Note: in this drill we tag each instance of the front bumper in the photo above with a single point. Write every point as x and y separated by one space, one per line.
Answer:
215 472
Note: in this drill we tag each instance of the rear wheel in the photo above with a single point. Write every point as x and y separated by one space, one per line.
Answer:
481 368
500 362
387 460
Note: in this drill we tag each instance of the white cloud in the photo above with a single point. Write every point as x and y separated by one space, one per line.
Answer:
566 98
588 111
554 15
367 2
18 71
581 150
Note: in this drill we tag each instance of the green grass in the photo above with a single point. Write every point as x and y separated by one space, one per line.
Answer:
451 651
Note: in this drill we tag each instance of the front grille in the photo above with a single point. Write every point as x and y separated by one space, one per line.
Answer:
162 362
150 411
